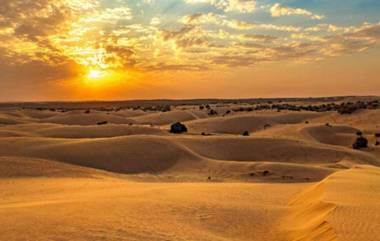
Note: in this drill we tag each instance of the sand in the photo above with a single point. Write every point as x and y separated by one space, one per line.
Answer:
64 177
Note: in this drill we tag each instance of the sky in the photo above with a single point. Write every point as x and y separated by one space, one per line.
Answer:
181 49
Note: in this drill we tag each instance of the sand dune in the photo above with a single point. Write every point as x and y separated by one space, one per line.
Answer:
237 124
79 131
111 130
4 120
127 155
333 135
22 167
363 119
114 209
342 207
72 118
270 149
292 179
165 118
123 155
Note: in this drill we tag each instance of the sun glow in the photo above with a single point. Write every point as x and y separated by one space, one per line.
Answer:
97 78
95 74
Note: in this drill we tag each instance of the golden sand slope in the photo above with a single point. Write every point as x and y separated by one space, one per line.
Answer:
345 206
23 167
63 177
115 209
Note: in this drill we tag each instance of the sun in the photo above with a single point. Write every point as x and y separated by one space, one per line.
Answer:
103 78
96 78
96 74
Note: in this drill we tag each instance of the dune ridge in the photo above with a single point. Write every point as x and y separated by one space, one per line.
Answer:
337 208
237 124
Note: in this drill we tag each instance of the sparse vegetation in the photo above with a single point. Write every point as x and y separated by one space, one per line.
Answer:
178 128
266 173
360 143
212 112
246 133
102 123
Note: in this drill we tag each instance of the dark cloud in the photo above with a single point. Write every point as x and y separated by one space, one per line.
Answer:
15 67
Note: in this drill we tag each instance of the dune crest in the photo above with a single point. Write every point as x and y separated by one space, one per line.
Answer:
337 208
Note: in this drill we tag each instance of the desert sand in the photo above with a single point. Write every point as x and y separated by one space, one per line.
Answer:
295 177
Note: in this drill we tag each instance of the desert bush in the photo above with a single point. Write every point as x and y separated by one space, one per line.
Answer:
266 173
246 133
102 123
178 128
212 112
360 143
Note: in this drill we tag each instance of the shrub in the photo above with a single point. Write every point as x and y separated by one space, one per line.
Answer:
266 173
360 143
178 128
246 133
102 123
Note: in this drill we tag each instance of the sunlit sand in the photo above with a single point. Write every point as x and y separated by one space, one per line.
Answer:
116 171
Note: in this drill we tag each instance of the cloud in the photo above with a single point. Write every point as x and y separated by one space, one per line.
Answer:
212 18
277 10
155 21
243 6
58 39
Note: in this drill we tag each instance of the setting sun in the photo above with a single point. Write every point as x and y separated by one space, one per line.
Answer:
96 74
104 79
97 78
